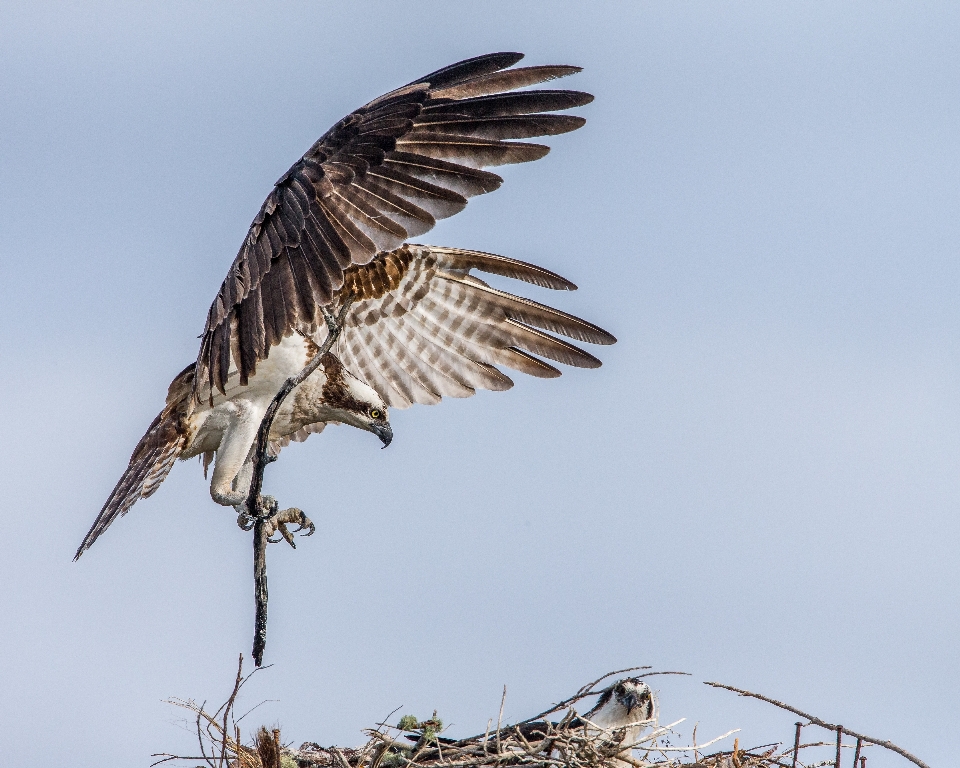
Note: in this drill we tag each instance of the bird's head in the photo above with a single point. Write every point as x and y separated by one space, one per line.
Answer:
634 696
354 402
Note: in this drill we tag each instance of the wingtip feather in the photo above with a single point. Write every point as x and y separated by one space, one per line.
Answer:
477 65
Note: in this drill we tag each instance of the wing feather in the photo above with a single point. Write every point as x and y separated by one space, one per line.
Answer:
503 80
467 364
364 365
406 359
461 260
421 327
374 361
426 360
470 68
152 459
384 173
461 303
483 356
439 201
509 127
536 314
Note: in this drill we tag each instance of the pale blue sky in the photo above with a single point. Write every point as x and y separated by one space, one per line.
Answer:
760 485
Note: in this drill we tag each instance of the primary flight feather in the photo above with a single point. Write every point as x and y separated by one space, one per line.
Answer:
334 231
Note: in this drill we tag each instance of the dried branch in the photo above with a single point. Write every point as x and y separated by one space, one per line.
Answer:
503 700
829 726
217 733
228 708
254 504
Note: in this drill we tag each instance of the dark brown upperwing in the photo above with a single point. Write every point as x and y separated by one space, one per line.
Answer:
381 175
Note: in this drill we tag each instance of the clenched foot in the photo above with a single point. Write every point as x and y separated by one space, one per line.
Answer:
277 521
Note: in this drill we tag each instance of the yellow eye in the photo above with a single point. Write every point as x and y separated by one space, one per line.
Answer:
375 414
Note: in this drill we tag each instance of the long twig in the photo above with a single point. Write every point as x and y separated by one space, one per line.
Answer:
500 718
254 502
228 708
829 726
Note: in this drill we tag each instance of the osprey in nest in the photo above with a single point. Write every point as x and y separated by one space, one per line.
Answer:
331 240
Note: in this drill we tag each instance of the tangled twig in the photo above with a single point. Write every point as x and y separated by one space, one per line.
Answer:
218 732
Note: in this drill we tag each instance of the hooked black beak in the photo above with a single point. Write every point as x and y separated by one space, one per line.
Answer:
384 432
630 701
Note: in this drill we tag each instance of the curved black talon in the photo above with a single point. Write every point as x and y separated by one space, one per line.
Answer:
287 536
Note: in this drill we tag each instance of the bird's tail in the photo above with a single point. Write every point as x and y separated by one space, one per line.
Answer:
151 461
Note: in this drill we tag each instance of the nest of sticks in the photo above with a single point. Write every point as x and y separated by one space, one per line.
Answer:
565 740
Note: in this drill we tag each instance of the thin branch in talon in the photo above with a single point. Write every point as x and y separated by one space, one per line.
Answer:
329 318
261 449
267 508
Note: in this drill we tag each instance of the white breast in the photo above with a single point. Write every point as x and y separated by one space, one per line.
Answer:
208 422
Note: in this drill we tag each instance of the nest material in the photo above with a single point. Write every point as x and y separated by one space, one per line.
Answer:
551 745
564 744
539 742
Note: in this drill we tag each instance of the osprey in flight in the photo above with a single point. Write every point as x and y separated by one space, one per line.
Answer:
332 235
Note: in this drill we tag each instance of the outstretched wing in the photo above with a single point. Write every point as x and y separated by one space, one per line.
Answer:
383 174
151 461
421 327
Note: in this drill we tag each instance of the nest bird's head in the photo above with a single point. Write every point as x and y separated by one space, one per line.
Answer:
635 697
626 702
354 402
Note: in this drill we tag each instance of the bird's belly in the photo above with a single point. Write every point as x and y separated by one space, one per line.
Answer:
299 409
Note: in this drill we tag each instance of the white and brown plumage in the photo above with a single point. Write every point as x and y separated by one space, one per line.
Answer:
623 711
628 703
335 228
